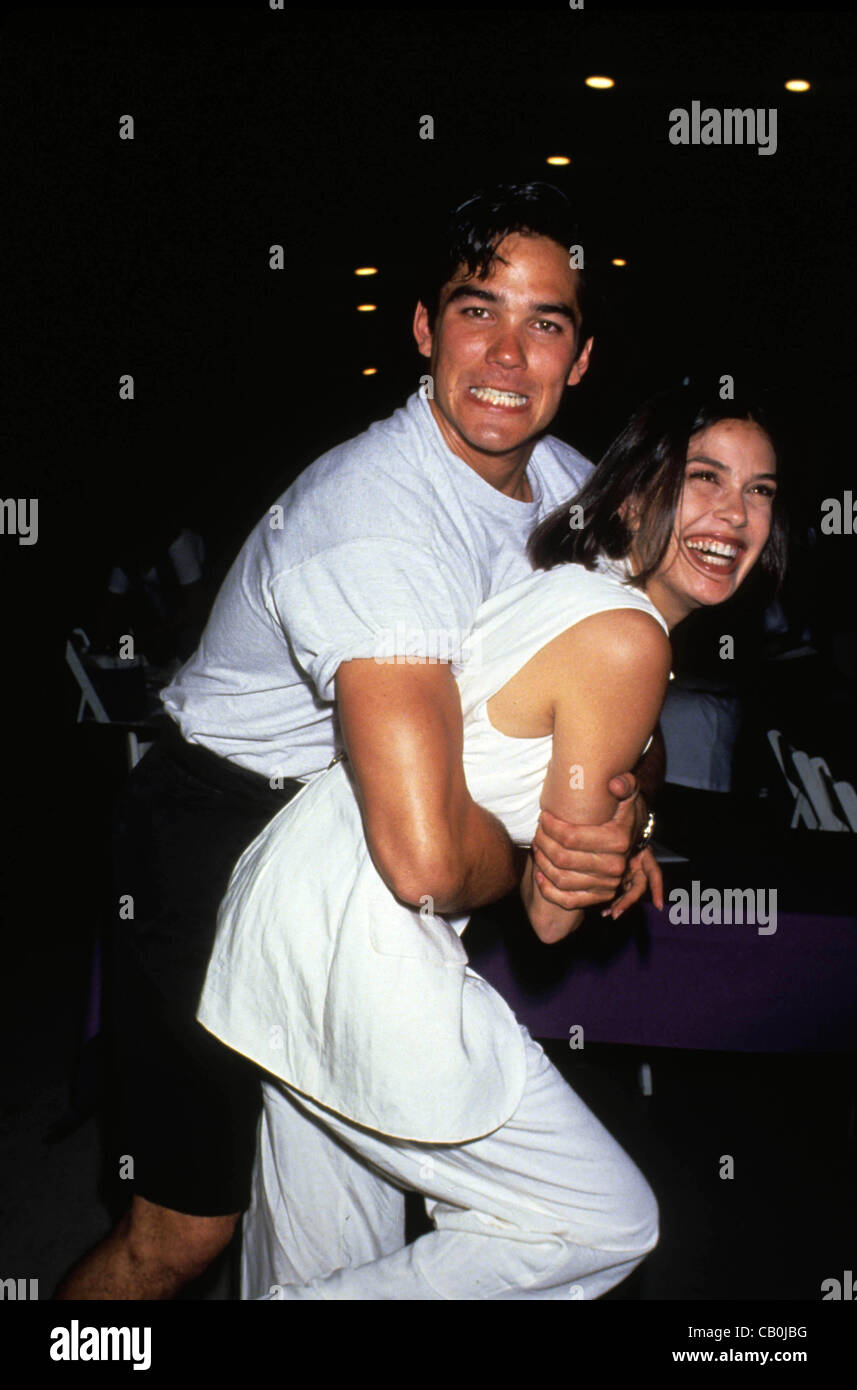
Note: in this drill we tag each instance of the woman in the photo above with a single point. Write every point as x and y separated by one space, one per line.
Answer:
398 1066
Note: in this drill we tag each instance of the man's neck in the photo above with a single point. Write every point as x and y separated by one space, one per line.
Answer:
505 472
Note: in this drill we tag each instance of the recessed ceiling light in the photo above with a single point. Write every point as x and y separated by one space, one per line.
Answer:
366 270
600 83
558 159
370 371
797 84
366 308
617 260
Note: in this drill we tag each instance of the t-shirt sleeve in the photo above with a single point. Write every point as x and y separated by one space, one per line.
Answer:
376 598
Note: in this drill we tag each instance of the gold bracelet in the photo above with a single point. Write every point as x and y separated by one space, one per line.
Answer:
646 834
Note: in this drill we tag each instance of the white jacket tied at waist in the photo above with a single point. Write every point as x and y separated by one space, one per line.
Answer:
366 1005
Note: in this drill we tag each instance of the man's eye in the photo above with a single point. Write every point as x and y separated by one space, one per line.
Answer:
474 309
549 323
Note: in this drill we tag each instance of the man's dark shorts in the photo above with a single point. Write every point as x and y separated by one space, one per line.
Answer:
189 1106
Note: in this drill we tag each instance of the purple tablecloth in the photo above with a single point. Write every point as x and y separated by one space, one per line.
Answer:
712 987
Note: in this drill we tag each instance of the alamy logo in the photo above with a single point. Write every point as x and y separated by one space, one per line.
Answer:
19 516
413 646
839 518
713 906
78 1343
839 1290
17 1289
728 127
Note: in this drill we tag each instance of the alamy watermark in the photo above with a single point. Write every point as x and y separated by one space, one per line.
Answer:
732 126
16 520
20 1290
413 646
840 1290
839 518
76 1343
716 906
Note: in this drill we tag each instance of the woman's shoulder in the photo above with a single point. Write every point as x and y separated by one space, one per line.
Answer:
583 592
615 627
622 636
550 615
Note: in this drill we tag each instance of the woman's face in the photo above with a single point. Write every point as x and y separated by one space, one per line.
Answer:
723 519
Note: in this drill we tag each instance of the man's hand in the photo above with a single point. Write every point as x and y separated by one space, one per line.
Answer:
643 872
581 866
582 859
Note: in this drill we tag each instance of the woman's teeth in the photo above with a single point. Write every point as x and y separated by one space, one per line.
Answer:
714 552
491 397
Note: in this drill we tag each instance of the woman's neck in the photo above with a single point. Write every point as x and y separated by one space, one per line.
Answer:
663 599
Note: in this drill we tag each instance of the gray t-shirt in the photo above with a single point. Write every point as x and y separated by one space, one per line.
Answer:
384 547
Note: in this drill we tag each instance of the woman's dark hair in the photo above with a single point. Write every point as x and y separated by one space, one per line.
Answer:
646 465
478 225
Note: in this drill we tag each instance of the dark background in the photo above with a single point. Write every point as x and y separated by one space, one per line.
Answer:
256 127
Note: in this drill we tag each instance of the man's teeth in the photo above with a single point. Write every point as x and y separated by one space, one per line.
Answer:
716 552
485 393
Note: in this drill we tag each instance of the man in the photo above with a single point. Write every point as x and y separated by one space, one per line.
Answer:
397 536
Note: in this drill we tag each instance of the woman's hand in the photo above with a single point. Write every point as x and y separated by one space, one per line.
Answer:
549 922
643 872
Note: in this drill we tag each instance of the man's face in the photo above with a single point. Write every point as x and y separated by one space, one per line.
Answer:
503 351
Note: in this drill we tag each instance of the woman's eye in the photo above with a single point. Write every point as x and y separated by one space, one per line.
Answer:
765 490
706 474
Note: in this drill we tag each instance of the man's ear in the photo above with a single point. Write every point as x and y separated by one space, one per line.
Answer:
579 369
422 332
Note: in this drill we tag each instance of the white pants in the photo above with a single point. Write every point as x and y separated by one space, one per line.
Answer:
548 1206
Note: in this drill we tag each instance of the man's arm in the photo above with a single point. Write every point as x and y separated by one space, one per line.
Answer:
403 730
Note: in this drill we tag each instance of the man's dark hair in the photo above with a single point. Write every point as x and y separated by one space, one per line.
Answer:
478 225
646 465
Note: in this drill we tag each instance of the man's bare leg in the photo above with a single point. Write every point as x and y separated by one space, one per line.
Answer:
151 1254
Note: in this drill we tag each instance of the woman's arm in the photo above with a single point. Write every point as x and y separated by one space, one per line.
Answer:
608 677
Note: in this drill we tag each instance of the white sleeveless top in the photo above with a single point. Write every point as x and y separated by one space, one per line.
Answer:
325 979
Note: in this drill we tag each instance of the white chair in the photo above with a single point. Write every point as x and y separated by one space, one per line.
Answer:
820 803
91 700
